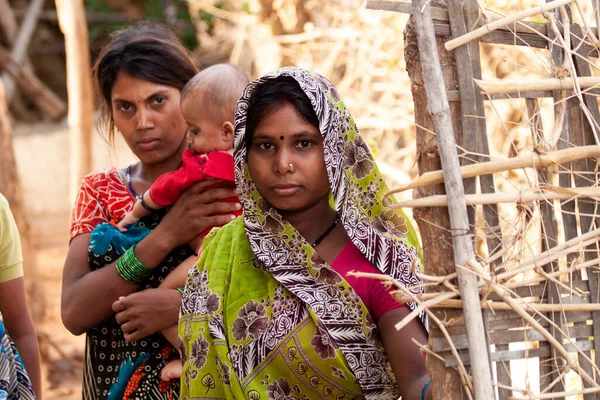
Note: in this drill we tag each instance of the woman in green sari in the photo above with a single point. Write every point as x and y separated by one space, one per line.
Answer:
270 311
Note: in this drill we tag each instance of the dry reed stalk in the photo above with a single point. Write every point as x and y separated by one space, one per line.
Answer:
512 86
573 245
552 254
557 394
524 196
588 30
531 307
422 306
426 349
533 160
518 308
481 31
571 269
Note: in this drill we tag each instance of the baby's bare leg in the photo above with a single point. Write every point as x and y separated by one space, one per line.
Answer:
174 280
173 368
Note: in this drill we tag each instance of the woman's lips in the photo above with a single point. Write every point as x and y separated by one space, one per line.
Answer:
286 190
148 145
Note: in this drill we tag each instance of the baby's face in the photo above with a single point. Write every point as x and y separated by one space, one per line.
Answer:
204 131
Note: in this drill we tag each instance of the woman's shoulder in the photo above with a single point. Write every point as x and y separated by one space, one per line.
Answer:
103 176
103 196
105 183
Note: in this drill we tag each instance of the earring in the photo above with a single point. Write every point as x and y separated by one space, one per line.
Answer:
291 167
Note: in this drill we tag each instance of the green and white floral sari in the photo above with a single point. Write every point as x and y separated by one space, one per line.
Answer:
263 316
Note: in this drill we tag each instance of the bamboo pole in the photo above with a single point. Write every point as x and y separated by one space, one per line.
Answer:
459 222
511 86
71 15
533 160
502 306
481 31
523 196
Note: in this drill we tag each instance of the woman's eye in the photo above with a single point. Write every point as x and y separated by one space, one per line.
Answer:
304 143
124 107
194 132
265 146
159 100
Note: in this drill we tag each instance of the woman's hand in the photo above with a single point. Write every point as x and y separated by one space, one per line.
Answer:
149 311
196 210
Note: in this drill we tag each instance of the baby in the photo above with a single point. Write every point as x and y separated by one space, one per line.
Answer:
208 104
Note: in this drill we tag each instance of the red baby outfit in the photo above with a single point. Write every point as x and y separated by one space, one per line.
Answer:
195 168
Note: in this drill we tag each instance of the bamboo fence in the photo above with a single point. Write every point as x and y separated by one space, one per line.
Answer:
537 294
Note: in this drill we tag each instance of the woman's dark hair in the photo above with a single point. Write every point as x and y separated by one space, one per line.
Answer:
147 51
269 96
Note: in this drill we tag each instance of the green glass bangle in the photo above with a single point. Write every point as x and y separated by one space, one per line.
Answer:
180 290
131 269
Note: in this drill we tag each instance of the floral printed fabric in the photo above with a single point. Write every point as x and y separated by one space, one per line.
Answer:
263 316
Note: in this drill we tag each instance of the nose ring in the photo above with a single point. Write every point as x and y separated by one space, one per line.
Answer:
291 167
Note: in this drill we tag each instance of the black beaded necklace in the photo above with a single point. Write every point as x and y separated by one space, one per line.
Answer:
327 232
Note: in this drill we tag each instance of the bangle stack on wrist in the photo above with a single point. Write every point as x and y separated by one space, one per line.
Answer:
131 269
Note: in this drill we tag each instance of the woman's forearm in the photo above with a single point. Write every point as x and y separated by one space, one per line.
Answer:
415 390
88 295
30 353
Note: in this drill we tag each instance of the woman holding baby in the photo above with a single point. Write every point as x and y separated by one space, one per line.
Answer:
139 76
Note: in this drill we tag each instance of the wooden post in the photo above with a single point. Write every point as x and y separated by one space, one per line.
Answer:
71 16
457 207
433 222
10 186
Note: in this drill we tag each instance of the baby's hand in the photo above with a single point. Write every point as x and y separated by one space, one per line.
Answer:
122 226
127 220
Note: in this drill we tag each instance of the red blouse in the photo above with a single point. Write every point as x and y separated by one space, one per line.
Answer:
102 197
376 296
